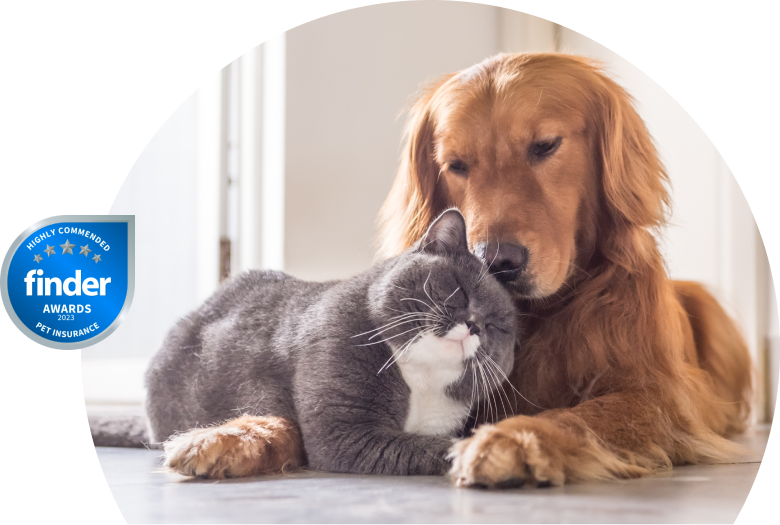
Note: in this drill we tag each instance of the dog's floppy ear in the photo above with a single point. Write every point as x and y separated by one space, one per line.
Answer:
411 204
447 235
634 180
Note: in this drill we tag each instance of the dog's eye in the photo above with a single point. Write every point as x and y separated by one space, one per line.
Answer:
458 167
545 148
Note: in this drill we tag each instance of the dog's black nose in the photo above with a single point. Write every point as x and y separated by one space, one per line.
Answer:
506 261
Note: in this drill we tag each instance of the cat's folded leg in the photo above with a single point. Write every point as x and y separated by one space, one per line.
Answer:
245 446
357 450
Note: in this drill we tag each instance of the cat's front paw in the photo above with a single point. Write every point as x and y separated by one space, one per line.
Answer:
246 446
496 457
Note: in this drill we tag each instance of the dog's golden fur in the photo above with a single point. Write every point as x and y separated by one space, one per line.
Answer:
244 446
635 372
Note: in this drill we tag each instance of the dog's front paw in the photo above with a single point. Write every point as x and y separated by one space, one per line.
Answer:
246 446
503 458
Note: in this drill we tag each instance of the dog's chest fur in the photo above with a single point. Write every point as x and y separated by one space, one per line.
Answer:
429 366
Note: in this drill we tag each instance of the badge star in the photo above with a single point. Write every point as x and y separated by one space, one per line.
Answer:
85 250
49 250
96 258
38 258
67 247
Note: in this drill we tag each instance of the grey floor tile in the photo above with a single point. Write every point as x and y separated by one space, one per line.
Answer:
690 494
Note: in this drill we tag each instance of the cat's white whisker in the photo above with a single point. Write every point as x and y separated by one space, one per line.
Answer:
412 312
400 352
492 367
487 272
497 370
430 315
403 316
394 325
503 271
391 337
424 329
517 391
450 296
422 302
488 374
410 317
485 391
491 392
412 353
390 361
491 383
483 257
399 287
476 389
508 401
409 345
425 289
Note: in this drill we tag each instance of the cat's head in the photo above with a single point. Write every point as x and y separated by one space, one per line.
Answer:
438 306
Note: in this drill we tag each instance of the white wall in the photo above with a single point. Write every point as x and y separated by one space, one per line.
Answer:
349 78
173 191
160 191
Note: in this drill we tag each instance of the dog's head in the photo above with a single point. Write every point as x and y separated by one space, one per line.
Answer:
548 161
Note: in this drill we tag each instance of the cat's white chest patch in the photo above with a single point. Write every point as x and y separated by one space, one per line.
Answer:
429 366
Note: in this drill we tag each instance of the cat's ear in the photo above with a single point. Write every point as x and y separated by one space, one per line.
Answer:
447 234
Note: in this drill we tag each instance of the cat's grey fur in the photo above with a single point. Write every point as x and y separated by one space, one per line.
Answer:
267 344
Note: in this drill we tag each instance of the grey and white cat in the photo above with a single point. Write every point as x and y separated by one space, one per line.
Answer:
380 371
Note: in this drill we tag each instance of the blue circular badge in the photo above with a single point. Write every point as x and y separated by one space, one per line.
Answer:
67 281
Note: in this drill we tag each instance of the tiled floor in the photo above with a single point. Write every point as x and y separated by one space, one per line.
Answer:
692 494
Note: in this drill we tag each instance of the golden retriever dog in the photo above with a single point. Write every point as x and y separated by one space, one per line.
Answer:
622 370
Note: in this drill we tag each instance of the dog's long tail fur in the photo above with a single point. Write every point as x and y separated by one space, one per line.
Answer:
721 351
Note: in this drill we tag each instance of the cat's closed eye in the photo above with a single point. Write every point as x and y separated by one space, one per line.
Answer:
491 326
